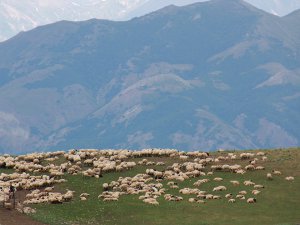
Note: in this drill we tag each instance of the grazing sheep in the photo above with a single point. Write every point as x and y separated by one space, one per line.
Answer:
49 189
269 176
276 172
235 182
84 195
174 187
249 183
192 200
257 186
251 200
201 201
105 186
218 179
8 205
232 200
259 168
264 158
290 178
209 196
240 171
82 198
151 201
242 197
217 197
110 199
242 192
250 167
260 153
28 210
220 188
228 195
255 192
183 157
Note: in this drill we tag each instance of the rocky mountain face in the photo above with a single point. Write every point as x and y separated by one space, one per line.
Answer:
218 74
17 16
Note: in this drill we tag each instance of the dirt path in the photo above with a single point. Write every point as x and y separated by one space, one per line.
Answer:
13 217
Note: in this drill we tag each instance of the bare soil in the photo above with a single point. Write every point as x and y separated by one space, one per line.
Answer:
13 217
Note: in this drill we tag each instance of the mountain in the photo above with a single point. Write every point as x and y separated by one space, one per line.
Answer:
16 16
218 74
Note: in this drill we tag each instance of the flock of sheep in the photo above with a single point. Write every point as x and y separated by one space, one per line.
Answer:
38 173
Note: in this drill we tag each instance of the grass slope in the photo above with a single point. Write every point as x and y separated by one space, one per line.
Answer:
277 204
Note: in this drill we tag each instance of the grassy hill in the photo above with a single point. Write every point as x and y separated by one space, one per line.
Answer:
277 203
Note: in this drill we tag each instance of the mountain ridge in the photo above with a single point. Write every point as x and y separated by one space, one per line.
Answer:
16 16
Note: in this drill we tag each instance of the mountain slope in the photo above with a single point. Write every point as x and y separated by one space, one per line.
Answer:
180 77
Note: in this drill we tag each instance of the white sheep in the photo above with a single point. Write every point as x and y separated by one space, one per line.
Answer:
251 200
290 178
269 176
276 172
232 200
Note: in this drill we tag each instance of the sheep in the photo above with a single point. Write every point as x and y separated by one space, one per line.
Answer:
8 205
242 197
228 195
220 188
258 186
174 187
210 173
249 183
290 178
260 153
110 199
209 196
105 186
28 210
264 158
269 176
251 200
276 172
218 179
201 201
82 198
259 168
199 182
242 192
250 167
49 189
232 200
235 182
84 195
192 200
170 183
240 171
183 157
255 192
217 197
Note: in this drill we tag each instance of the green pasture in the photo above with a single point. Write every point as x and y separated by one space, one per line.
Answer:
277 204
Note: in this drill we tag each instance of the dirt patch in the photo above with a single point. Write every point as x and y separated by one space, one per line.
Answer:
13 217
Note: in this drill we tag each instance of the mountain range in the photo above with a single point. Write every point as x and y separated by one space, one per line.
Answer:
217 74
17 16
